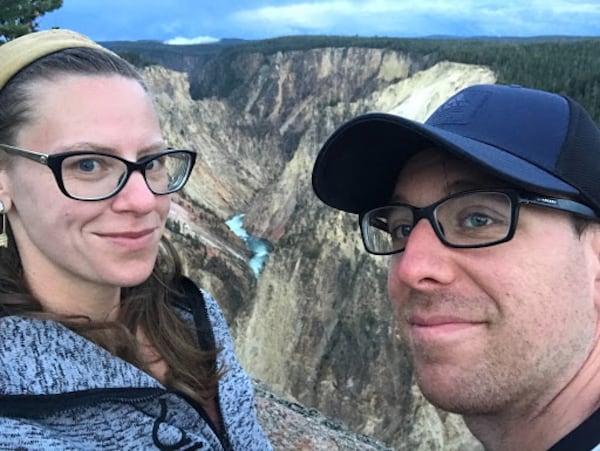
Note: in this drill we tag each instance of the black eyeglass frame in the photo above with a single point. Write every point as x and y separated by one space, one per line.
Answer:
54 163
517 198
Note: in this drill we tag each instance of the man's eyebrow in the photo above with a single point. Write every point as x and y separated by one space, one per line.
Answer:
398 198
465 185
456 186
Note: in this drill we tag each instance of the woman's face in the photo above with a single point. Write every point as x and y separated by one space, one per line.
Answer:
68 245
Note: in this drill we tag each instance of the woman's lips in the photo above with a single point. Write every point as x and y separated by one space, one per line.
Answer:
132 240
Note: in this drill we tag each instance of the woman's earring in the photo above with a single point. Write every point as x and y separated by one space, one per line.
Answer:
3 235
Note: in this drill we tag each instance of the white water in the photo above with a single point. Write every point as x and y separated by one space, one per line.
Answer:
258 246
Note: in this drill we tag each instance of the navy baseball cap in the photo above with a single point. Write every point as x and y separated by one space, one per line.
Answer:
530 138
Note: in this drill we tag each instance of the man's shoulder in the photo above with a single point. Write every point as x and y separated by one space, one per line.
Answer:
586 437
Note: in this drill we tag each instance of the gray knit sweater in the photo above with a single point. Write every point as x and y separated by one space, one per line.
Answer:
59 391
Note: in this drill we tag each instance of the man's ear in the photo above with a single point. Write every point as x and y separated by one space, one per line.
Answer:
593 235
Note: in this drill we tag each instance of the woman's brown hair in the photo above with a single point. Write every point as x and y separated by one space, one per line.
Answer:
145 308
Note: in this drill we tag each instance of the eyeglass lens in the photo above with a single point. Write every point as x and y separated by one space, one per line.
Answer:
468 220
91 175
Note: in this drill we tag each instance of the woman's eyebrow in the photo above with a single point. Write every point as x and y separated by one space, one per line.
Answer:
83 145
95 147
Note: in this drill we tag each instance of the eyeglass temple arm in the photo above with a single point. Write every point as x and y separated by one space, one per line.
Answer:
559 204
35 156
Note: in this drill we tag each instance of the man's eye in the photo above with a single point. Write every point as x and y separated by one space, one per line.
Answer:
400 231
475 220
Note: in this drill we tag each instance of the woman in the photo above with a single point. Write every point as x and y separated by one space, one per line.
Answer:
103 342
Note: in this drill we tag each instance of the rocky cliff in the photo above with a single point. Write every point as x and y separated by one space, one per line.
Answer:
315 325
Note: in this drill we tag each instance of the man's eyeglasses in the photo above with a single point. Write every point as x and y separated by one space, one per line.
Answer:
85 175
469 219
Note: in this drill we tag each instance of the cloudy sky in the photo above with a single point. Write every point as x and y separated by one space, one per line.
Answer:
206 20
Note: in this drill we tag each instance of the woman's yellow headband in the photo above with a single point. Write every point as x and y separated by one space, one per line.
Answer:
20 52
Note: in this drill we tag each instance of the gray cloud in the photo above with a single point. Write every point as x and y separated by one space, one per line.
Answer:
257 19
425 17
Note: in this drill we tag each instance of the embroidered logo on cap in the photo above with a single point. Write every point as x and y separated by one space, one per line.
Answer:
459 109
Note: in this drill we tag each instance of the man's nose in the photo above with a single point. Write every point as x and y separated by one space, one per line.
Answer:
425 261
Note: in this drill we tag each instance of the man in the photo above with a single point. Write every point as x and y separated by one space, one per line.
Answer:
491 213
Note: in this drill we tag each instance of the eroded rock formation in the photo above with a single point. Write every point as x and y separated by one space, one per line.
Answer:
315 326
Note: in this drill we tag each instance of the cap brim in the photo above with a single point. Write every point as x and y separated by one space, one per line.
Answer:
358 165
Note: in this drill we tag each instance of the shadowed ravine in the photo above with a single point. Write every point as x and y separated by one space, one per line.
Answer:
315 326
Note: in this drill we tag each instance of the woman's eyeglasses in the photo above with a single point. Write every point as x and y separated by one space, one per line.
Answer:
86 175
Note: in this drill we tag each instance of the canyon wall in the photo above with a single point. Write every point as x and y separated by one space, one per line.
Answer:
315 326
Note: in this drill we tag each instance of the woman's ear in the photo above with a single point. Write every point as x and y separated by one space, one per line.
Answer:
5 190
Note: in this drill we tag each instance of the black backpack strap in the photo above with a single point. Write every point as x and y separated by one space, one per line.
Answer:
193 298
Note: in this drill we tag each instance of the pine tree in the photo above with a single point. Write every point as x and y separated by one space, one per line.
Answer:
19 17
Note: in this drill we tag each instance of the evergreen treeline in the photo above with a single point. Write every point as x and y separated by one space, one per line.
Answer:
569 66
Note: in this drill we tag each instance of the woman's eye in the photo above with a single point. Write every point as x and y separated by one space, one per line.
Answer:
153 165
88 165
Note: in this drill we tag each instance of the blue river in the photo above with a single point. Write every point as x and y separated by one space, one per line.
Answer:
258 246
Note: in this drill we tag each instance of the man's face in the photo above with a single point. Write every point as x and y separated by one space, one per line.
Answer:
495 327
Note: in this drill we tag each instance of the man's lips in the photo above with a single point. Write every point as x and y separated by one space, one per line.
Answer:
438 320
441 326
